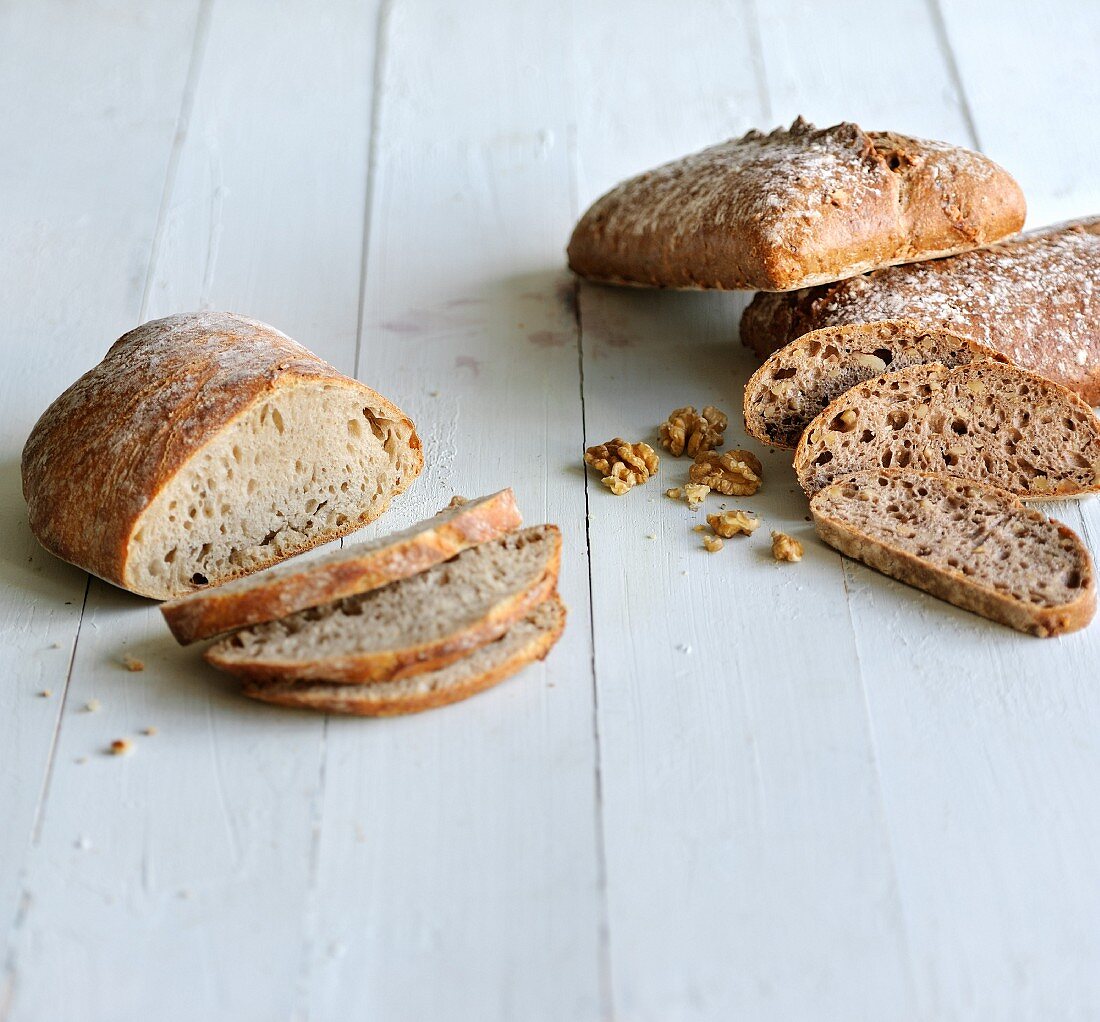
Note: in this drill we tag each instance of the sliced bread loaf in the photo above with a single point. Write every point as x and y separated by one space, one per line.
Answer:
799 380
975 546
986 421
207 446
417 624
529 639
354 569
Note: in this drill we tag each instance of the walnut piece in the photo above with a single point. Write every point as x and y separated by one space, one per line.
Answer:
785 548
621 464
733 523
687 431
695 494
132 663
712 543
121 747
734 473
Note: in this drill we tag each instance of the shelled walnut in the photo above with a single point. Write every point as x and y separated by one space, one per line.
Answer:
621 464
687 431
735 473
785 548
733 523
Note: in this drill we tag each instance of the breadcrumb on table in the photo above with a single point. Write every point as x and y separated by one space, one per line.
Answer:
132 663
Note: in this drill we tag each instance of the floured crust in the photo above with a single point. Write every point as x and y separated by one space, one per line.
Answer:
106 447
1034 298
794 208
973 558
354 569
526 641
412 659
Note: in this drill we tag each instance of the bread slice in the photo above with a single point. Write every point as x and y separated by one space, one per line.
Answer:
986 421
207 446
529 639
1035 298
417 624
796 207
354 569
975 546
799 380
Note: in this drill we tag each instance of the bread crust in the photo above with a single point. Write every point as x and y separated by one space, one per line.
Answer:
101 453
1034 298
369 700
955 586
390 665
352 570
794 208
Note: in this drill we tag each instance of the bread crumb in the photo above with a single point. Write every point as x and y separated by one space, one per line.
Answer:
151 730
785 548
651 535
713 544
93 706
132 663
456 501
674 492
121 747
45 693
80 760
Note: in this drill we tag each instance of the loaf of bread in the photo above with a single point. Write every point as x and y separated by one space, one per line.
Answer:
354 569
529 639
205 447
795 208
799 380
417 624
974 545
986 421
1034 298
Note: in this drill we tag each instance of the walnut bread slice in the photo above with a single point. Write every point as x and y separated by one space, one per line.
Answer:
986 421
207 446
793 208
799 380
528 640
973 545
414 625
354 569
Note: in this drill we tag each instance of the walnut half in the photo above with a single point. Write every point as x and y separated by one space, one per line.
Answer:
785 548
687 431
622 465
734 473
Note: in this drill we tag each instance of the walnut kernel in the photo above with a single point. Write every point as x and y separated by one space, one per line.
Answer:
733 523
695 494
712 543
734 473
687 431
622 464
785 548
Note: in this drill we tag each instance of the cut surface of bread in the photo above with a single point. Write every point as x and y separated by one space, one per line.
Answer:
416 624
529 639
1034 297
986 421
975 546
288 588
207 446
792 208
799 380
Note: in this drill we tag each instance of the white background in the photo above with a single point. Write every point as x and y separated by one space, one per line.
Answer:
736 789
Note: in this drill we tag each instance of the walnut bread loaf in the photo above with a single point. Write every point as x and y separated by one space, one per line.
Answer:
417 624
987 421
971 544
1034 298
526 641
207 446
794 208
799 380
354 569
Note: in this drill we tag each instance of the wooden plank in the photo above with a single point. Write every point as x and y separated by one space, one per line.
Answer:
176 883
91 105
458 873
750 872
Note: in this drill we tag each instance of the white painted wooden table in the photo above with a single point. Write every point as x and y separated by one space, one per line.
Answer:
736 790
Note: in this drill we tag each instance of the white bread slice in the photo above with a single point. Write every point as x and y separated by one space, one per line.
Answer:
529 639
974 545
986 421
354 569
802 378
417 624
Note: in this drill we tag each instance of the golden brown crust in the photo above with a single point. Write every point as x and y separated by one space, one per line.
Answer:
365 701
1034 298
953 585
354 570
390 665
107 446
796 207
